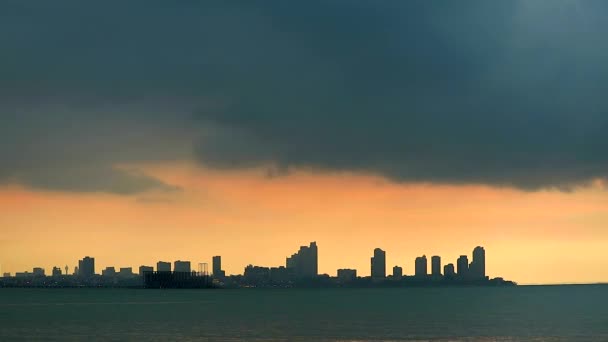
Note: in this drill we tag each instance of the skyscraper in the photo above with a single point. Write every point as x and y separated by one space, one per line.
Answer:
379 264
436 266
305 263
217 267
421 267
163 266
462 266
86 267
477 268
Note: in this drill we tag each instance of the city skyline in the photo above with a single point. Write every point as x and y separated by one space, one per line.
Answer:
372 170
303 263
407 268
300 269
413 126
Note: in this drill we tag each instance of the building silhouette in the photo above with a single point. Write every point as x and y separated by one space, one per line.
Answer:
462 267
144 269
38 272
436 266
448 271
378 264
397 272
256 275
86 267
163 266
477 268
126 272
217 267
280 275
109 272
346 275
176 280
421 267
300 271
182 266
304 263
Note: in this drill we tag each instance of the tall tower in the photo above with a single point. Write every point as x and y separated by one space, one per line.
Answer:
436 266
305 263
462 267
478 265
421 266
217 264
217 267
313 259
379 264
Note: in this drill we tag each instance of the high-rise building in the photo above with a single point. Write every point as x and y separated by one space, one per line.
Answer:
56 271
477 268
436 266
448 271
182 266
462 266
217 267
305 263
397 272
86 267
145 269
346 275
379 264
163 266
421 266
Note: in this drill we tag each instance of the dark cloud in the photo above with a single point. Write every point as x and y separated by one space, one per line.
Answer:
88 148
507 93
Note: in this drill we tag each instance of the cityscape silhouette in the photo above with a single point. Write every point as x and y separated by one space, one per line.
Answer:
300 270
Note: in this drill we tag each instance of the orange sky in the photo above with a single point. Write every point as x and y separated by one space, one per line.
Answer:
249 217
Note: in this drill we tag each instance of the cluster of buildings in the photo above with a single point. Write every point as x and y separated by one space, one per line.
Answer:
300 269
476 270
303 264
85 274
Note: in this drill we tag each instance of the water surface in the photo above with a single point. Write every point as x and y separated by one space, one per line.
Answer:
523 313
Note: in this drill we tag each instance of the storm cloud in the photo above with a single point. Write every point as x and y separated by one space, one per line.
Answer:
506 93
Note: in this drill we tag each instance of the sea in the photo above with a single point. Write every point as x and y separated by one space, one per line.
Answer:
521 313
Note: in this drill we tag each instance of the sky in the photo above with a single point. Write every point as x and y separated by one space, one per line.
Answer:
144 131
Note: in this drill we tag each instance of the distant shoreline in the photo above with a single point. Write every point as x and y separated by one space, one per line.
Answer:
296 288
